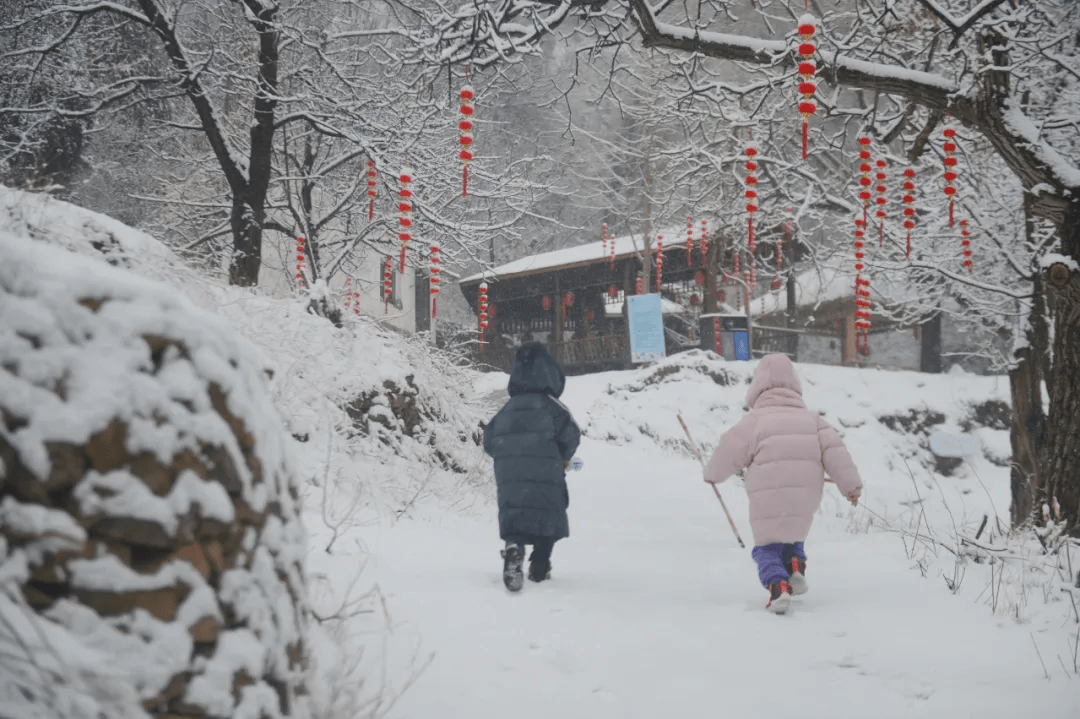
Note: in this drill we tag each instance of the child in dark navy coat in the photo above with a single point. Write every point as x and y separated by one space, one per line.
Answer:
532 439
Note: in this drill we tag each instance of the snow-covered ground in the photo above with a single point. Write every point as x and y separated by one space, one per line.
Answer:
653 609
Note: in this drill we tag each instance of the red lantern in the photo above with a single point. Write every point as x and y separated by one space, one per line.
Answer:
371 190
864 167
545 302
300 263
589 317
435 280
388 282
659 261
405 206
721 296
483 313
613 292
704 241
776 284
699 278
466 139
909 210
880 199
694 300
689 241
966 244
807 68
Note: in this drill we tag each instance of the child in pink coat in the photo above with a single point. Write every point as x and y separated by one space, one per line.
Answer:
788 449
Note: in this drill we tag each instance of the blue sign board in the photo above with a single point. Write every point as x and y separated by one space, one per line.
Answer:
742 345
646 328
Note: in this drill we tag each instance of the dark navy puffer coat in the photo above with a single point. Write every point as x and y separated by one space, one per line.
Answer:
530 438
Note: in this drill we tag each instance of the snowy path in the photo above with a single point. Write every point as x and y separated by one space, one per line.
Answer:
654 611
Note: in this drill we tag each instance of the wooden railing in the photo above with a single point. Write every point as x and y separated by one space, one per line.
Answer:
608 351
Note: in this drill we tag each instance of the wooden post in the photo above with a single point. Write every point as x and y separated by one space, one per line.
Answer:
557 305
848 354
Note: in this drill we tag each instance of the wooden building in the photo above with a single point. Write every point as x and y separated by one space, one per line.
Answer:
573 300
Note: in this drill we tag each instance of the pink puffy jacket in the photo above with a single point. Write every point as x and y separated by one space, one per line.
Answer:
788 449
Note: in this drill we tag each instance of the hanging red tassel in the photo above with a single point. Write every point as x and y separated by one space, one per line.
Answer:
881 199
611 265
909 210
371 190
466 139
950 168
737 275
807 68
405 206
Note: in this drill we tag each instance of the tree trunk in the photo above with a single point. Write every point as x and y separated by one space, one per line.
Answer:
930 351
247 244
1025 434
1061 459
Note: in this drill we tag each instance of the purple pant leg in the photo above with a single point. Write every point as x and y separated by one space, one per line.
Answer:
770 563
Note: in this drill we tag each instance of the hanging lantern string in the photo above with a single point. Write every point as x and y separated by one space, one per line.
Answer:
689 241
405 206
483 313
966 244
435 279
864 167
467 95
950 168
388 282
300 263
751 166
371 190
704 242
881 199
807 68
909 208
356 296
611 265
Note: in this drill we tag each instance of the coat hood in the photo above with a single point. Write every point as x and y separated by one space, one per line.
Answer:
774 372
535 371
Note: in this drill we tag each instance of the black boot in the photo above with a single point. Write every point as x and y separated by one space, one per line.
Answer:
513 557
539 570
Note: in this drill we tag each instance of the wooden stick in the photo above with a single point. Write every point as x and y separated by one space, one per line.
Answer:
697 452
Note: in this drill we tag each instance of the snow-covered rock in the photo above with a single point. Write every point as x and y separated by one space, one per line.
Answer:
150 501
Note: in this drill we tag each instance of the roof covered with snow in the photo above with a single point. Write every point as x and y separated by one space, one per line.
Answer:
625 246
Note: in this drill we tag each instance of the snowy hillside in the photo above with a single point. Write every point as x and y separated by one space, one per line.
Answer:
652 610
